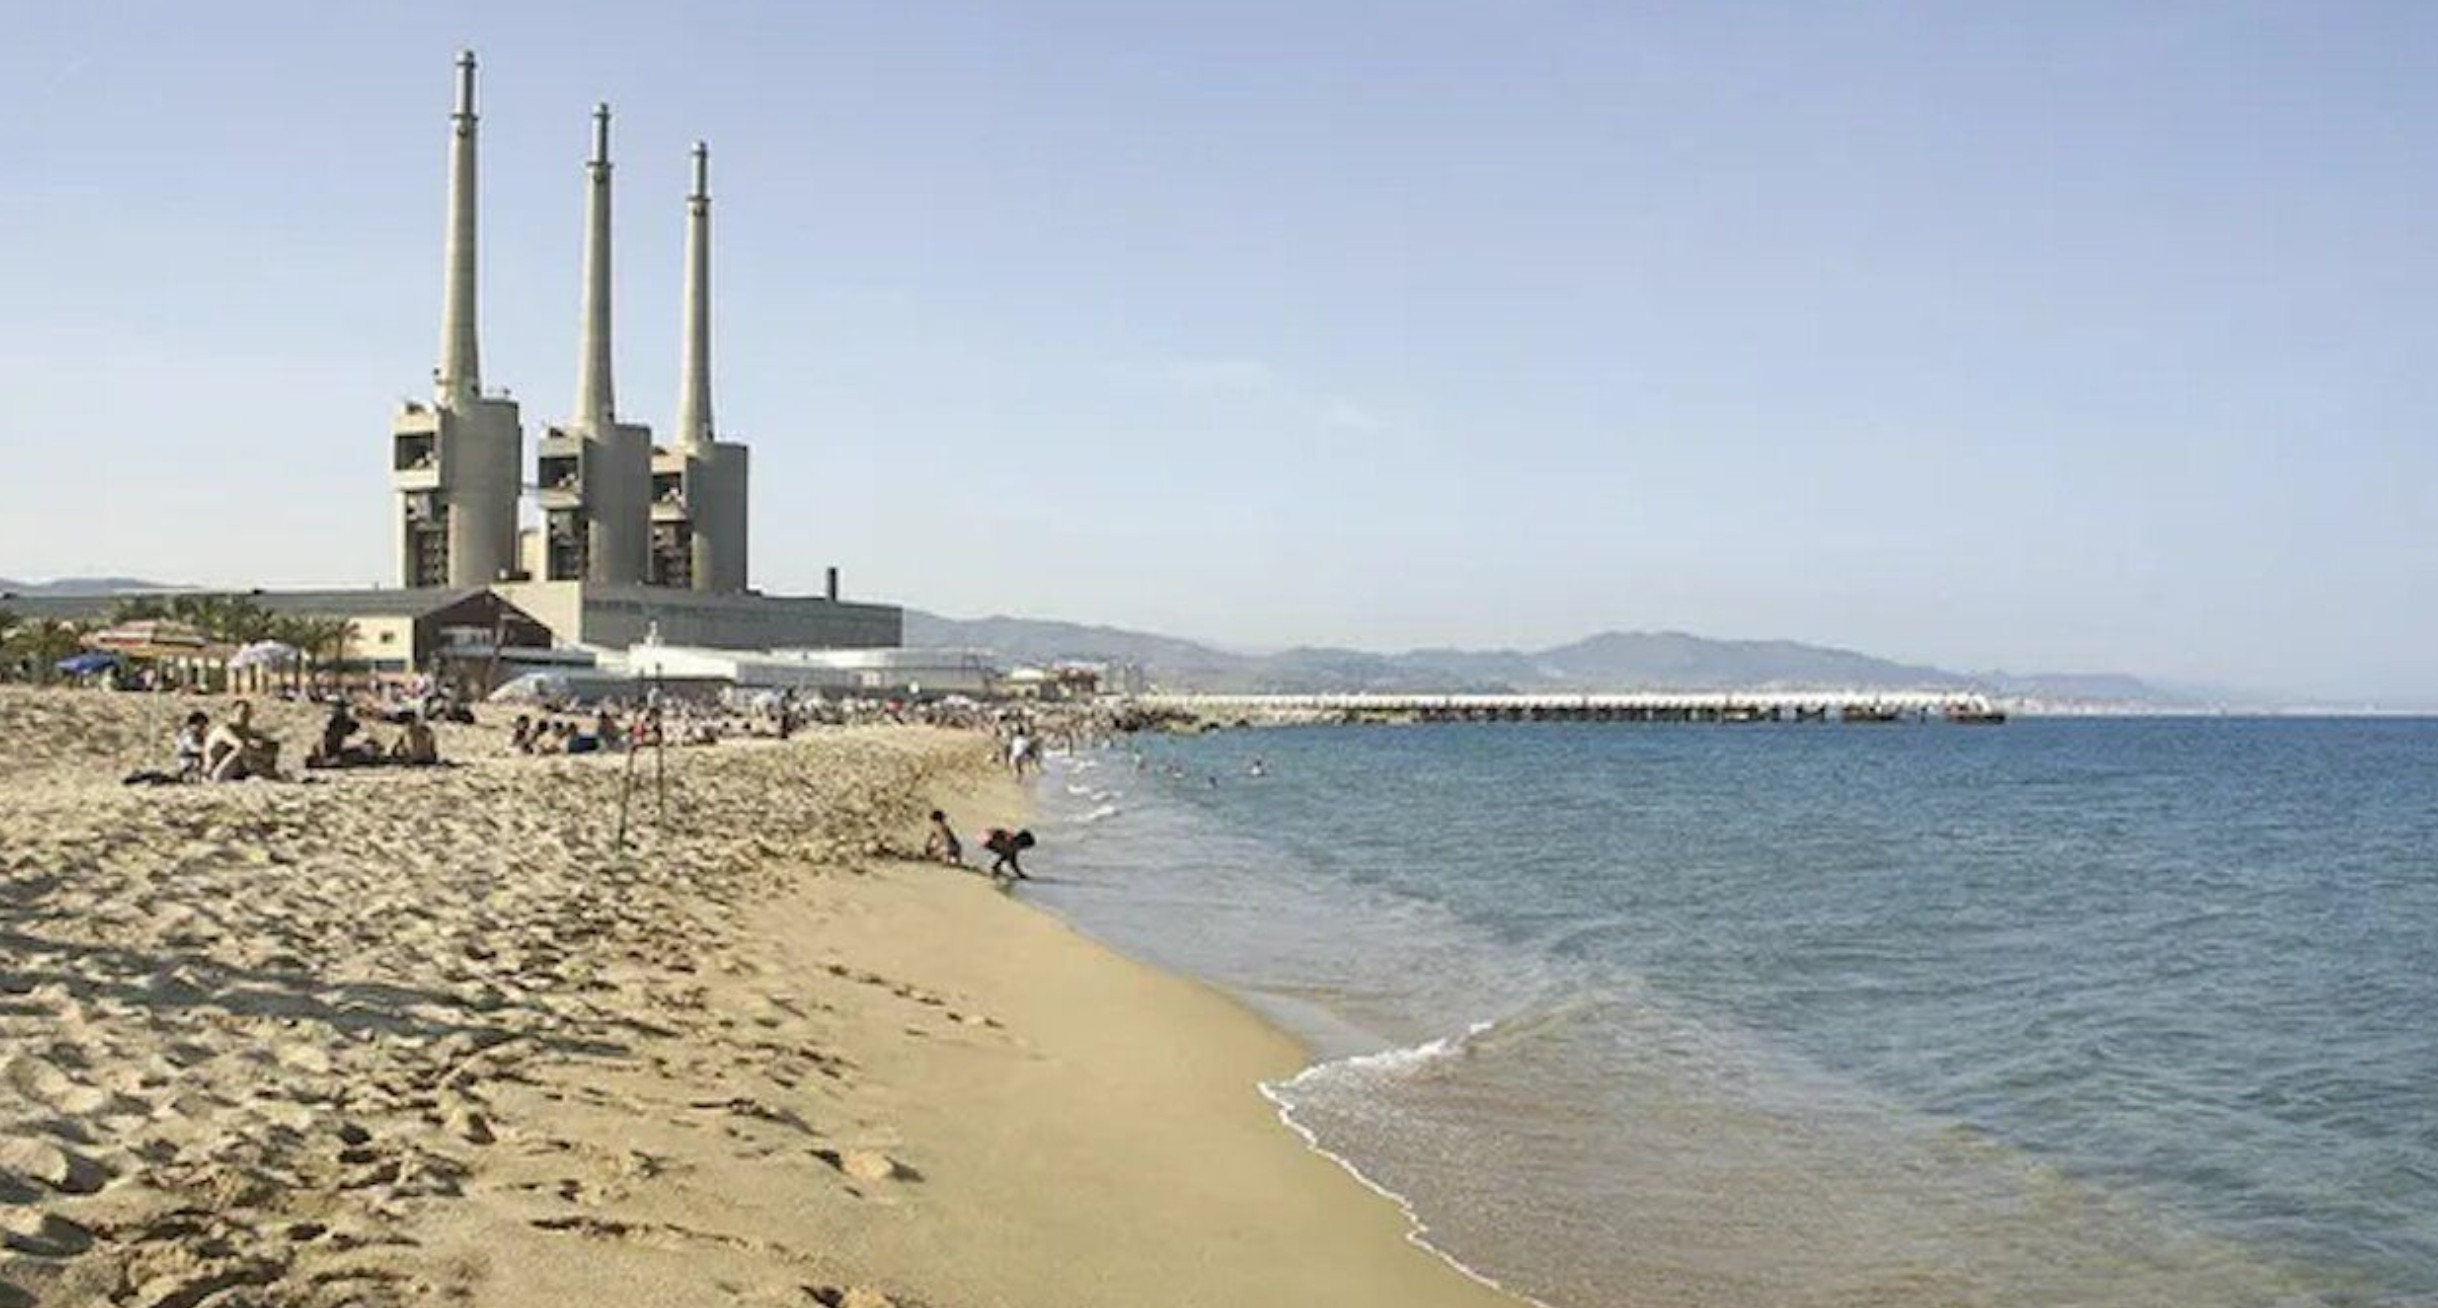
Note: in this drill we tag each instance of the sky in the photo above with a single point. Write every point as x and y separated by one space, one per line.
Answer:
2041 337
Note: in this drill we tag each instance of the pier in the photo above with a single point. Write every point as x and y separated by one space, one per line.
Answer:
1869 707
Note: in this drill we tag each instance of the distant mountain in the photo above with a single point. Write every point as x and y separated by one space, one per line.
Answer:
81 586
1610 661
1672 660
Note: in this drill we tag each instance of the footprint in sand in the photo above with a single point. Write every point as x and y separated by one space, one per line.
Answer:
43 1235
48 1164
867 1165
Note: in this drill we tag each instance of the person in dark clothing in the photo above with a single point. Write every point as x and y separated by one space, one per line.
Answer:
1005 846
335 730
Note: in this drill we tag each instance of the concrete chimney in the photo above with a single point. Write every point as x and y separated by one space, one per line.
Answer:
694 371
456 466
596 400
460 376
831 589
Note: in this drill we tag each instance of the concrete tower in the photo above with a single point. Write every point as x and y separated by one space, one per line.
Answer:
699 483
455 463
593 477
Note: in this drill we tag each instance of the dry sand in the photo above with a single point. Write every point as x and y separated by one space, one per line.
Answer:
428 1037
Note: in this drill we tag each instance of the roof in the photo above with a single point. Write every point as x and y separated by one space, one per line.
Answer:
404 602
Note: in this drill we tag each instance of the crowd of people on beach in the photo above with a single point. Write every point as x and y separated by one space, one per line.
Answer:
234 748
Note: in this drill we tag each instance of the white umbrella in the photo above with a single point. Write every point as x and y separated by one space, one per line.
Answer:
263 654
530 688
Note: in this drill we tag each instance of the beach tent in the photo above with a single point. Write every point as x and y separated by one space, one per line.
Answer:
88 663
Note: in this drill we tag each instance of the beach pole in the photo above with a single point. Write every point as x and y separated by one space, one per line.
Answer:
660 757
626 786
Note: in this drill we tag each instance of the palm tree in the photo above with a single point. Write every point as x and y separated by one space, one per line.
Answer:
137 608
324 639
41 644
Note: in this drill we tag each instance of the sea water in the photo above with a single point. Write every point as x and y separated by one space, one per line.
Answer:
2134 1012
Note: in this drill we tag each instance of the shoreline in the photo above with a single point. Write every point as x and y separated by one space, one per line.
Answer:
417 1033
1269 1218
1311 1057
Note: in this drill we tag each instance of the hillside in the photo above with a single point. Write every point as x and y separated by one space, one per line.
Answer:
1615 660
1610 660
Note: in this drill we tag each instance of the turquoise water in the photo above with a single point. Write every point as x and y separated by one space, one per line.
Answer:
2062 1012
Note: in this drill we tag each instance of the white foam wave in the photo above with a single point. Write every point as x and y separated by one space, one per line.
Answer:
1099 814
1404 1058
1417 1232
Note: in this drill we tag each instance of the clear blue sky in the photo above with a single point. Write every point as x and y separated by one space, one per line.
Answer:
2039 336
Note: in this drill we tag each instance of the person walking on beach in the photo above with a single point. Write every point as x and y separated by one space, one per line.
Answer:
1005 847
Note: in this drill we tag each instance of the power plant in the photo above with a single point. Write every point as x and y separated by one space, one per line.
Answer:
637 545
632 536
615 510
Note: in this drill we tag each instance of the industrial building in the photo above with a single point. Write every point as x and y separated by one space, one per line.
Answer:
455 461
593 476
469 637
636 544
630 535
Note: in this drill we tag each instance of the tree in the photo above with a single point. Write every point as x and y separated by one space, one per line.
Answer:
137 608
324 639
39 645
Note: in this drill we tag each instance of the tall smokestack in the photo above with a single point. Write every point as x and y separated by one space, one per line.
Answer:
460 376
694 373
595 399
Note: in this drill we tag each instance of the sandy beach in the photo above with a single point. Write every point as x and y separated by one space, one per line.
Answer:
429 1036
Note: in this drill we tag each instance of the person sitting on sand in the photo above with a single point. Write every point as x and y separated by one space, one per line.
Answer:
235 750
416 746
331 750
521 735
605 730
188 744
943 846
1005 846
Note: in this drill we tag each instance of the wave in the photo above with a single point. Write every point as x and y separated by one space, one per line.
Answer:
1100 813
1395 1061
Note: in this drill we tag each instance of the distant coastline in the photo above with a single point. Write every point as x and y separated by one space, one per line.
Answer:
1606 663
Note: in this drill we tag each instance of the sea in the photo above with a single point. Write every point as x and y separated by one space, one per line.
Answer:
2059 1012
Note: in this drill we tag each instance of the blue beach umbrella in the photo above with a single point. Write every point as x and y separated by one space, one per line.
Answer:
87 663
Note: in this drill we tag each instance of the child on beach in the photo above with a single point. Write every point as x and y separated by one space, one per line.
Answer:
1005 846
943 846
